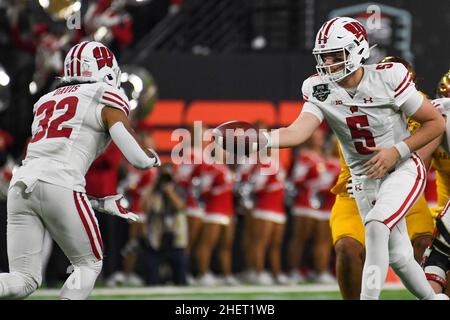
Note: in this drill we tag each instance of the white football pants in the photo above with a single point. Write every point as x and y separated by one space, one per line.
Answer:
383 205
70 220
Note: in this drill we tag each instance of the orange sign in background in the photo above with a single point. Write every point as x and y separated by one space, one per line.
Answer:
169 115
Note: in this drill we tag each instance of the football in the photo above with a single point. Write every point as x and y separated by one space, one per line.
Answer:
239 138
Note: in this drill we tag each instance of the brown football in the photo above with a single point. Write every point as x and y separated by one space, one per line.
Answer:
239 138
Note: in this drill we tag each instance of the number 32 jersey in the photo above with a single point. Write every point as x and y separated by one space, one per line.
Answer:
68 134
374 117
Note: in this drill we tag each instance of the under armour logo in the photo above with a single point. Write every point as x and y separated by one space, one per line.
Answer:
358 187
338 102
353 109
370 99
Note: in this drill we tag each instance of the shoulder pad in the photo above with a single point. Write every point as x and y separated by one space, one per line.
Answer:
116 98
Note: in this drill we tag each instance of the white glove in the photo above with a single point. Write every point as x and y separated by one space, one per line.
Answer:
155 155
111 205
349 187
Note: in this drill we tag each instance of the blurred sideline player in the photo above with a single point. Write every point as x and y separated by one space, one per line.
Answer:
348 231
268 220
366 107
194 212
262 199
310 176
72 125
216 184
437 257
135 185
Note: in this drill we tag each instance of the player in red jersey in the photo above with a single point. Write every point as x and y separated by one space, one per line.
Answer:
216 184
311 178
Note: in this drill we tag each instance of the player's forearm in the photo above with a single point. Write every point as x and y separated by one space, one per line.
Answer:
427 151
428 131
286 138
296 134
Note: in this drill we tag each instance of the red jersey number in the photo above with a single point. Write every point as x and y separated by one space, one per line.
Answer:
52 129
383 66
358 132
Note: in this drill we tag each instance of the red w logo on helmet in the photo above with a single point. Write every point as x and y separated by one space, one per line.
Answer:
104 57
357 29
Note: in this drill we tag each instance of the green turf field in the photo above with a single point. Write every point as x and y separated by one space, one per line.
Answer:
300 292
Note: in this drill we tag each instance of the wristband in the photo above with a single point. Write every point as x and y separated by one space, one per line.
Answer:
402 149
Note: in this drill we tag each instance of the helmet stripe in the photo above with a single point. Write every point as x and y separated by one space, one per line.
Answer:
357 29
69 54
328 28
71 59
79 58
321 32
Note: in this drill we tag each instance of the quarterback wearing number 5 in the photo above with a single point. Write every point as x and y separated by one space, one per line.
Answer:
72 126
366 107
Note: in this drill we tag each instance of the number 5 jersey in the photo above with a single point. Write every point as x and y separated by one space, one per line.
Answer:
68 134
374 117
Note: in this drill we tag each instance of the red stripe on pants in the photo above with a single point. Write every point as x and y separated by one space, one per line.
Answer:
93 221
418 183
86 226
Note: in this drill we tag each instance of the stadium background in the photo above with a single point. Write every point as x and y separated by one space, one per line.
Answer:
213 60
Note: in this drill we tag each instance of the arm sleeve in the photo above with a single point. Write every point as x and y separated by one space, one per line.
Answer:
401 83
113 97
307 105
129 147
412 104
312 108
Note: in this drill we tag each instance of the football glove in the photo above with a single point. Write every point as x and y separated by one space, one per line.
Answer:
111 205
153 154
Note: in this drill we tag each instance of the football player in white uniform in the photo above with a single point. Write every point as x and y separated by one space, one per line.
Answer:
366 107
72 125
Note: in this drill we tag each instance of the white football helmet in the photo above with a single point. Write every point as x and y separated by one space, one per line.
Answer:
91 61
341 34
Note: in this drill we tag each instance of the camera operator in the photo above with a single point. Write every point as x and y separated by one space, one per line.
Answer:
167 229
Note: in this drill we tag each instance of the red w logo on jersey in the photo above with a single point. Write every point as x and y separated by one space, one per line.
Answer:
357 29
104 57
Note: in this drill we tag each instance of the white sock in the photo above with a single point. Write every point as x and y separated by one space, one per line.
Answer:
377 260
80 283
405 266
16 285
414 279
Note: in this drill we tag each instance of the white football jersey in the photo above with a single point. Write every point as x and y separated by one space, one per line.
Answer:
443 105
374 117
68 134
